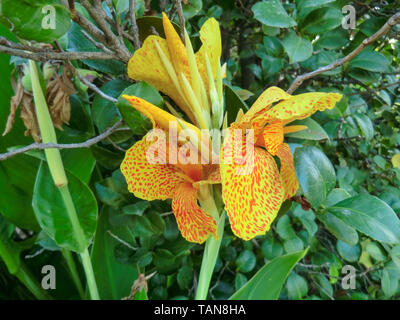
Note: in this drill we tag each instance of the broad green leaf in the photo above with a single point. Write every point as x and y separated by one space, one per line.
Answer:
339 228
39 20
298 49
185 277
350 253
271 248
296 286
78 42
133 118
51 213
322 20
246 261
369 215
137 208
16 185
313 132
114 279
267 283
371 61
191 8
365 124
272 13
333 39
9 251
375 251
315 173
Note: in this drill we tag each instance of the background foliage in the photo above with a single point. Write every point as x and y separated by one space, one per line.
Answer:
346 162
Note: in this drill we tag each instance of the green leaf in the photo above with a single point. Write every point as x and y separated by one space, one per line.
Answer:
31 20
371 61
338 228
365 124
246 261
78 42
322 20
185 277
298 49
137 208
104 112
313 132
114 279
334 39
350 253
271 13
191 8
16 185
369 215
267 283
51 213
272 248
133 118
233 104
315 173
375 251
147 23
296 286
9 251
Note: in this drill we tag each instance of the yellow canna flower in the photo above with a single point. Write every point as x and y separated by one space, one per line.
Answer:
193 81
177 179
253 200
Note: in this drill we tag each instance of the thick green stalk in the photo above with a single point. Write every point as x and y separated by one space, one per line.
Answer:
210 254
57 171
73 271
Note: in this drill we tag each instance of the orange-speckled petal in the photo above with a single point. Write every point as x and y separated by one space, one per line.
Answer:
193 222
147 179
212 176
146 65
158 117
273 136
264 102
288 173
302 106
177 50
252 192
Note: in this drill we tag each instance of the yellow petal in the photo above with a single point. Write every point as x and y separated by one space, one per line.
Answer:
288 173
148 180
193 222
302 106
212 176
146 65
296 128
159 117
252 192
210 36
263 103
273 136
176 49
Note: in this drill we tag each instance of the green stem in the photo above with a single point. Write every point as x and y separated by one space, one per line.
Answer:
57 171
31 283
87 265
210 255
73 271
80 237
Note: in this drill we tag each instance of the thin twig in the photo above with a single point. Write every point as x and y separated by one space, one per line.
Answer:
395 19
134 28
178 4
46 55
85 144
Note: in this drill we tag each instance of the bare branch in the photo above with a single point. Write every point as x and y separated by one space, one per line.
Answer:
178 4
100 17
134 31
46 55
86 144
395 19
